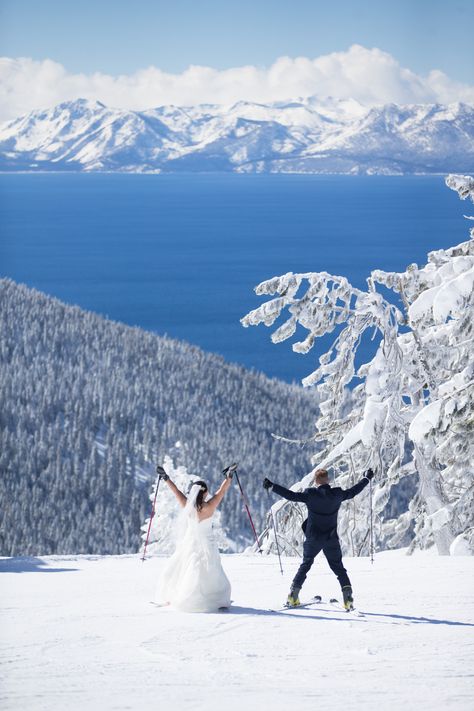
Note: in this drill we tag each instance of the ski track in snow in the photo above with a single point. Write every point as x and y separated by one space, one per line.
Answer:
79 632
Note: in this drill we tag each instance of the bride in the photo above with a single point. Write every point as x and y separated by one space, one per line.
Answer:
193 579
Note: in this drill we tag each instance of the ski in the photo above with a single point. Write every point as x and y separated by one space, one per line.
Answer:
339 606
318 600
295 607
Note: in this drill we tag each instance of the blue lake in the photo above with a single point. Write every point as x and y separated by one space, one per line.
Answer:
180 254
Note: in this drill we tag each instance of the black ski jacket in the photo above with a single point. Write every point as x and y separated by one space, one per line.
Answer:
323 504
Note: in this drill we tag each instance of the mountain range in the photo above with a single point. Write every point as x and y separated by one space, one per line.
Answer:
310 135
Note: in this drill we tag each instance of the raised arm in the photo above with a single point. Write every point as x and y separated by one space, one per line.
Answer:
301 496
360 486
179 494
171 485
210 506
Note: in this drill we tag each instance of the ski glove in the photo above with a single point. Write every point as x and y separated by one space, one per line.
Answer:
369 474
161 473
228 472
267 484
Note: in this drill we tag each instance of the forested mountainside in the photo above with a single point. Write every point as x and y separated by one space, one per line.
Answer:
89 406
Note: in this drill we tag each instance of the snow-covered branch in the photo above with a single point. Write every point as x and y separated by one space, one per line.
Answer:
462 184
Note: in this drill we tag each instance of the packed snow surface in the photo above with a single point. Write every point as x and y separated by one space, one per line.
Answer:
79 632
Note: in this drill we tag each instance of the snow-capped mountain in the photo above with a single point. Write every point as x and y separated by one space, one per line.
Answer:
309 135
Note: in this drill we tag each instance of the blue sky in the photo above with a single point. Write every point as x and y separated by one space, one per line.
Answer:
143 54
117 36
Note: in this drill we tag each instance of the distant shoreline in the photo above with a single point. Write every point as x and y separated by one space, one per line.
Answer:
232 172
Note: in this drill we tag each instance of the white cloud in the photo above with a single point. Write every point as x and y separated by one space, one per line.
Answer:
369 75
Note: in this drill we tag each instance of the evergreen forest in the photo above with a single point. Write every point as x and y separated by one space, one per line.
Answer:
90 406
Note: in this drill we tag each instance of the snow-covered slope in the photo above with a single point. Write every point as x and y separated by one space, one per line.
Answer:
308 135
79 633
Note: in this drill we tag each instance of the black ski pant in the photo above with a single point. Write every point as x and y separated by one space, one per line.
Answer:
332 550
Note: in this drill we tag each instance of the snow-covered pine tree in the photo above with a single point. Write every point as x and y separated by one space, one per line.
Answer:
412 410
356 436
443 431
163 529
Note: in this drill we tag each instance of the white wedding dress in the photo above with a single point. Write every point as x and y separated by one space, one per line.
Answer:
193 579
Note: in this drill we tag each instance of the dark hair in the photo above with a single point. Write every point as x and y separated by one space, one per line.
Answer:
202 491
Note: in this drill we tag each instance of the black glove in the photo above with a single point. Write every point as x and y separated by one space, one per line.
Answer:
161 473
369 474
267 484
228 472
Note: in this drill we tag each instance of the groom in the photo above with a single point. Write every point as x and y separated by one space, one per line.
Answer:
320 528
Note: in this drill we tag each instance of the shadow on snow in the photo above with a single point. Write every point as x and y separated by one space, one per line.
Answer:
344 617
420 620
29 565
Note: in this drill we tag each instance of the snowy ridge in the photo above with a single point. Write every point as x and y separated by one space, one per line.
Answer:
310 135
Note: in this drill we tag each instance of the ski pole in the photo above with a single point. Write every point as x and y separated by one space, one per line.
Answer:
275 534
371 525
151 517
232 469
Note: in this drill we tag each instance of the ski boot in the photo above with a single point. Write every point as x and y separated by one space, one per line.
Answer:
293 600
348 600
